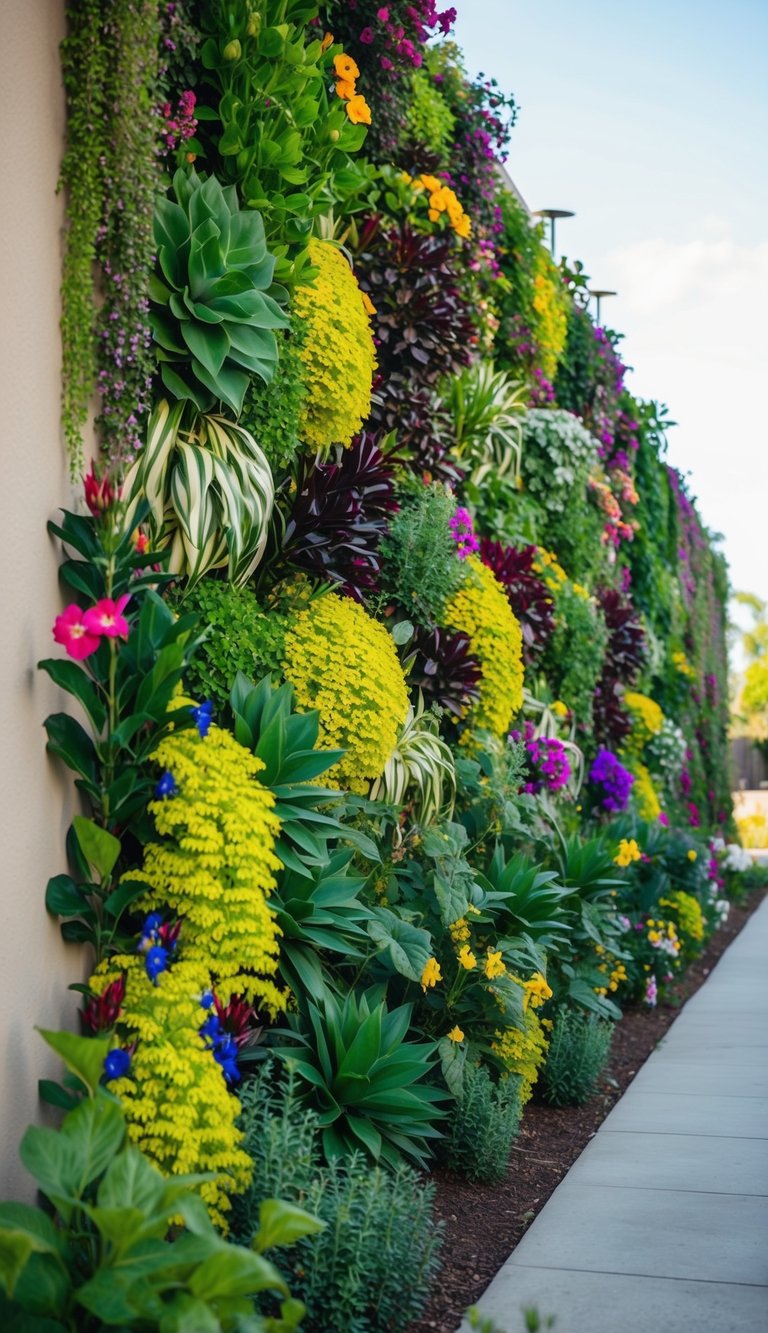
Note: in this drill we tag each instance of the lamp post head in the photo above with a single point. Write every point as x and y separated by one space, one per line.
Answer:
553 214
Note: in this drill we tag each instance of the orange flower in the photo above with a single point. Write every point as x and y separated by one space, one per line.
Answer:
346 68
345 89
368 305
358 110
326 42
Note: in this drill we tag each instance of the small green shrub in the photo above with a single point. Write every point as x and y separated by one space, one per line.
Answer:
271 412
430 120
373 1265
484 1122
421 566
578 1050
241 637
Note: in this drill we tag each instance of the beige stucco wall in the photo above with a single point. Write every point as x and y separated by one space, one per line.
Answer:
35 796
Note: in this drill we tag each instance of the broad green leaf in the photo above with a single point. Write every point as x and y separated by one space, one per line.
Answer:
233 1271
83 1055
283 1224
410 947
99 847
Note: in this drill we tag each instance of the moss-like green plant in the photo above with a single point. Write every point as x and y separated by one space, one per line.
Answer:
430 119
241 637
272 412
214 310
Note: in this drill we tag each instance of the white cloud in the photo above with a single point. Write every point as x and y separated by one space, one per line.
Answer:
656 276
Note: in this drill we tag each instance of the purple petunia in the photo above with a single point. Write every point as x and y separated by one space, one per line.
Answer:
608 773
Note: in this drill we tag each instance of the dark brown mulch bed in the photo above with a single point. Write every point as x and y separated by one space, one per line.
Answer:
483 1223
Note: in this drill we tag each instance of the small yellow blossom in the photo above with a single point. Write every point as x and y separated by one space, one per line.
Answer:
456 1034
494 964
559 708
467 958
692 855
627 853
326 42
537 991
368 305
345 89
431 974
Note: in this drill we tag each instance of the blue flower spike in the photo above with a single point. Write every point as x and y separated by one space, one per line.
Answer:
156 962
203 716
206 999
116 1064
166 787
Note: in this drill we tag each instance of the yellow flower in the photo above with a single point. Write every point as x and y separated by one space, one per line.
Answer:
467 958
326 42
627 853
345 68
368 305
345 89
559 708
537 991
343 663
494 964
692 855
431 974
338 352
358 110
481 610
456 1034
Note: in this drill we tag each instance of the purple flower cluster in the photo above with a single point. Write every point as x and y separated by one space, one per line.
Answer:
548 763
181 125
463 533
398 30
608 773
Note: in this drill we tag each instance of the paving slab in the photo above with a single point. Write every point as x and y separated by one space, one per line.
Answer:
730 1076
674 1162
677 1113
621 1303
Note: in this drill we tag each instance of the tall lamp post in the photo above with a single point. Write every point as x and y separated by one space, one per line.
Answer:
599 293
553 214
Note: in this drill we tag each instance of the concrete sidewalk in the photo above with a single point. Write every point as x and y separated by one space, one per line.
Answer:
662 1223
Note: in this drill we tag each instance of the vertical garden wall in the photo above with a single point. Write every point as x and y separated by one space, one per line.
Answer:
389 663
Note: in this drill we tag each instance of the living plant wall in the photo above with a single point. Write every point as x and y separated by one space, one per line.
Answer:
396 657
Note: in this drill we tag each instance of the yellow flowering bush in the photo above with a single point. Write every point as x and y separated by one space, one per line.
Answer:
644 793
178 1109
343 663
550 303
521 1051
215 866
687 913
647 720
480 608
338 350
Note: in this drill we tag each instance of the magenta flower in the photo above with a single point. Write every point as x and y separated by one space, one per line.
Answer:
366 36
71 631
106 618
382 14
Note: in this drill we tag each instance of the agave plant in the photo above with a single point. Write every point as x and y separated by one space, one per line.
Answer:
420 770
486 408
526 900
214 310
363 1077
210 493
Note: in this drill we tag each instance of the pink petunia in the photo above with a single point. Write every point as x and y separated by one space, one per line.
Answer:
106 618
71 631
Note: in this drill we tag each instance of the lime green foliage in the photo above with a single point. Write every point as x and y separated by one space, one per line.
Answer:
483 1124
371 1267
430 120
480 608
338 351
272 413
209 489
578 1049
487 409
99 1256
214 310
281 133
241 637
342 662
421 566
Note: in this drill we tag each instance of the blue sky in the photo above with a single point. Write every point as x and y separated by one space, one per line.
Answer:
651 123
